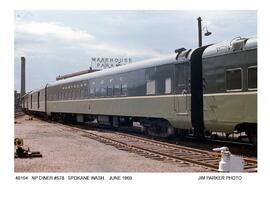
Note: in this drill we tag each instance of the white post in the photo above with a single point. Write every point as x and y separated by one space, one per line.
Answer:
229 162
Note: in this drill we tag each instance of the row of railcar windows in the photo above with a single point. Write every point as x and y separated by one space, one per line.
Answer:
83 93
116 90
150 81
235 81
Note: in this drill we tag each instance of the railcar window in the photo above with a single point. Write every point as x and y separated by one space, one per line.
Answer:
168 86
103 91
124 90
73 94
109 91
80 93
150 87
234 79
85 93
116 90
92 92
252 77
38 99
181 77
97 91
162 73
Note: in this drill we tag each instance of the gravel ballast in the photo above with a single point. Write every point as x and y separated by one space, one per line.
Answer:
66 150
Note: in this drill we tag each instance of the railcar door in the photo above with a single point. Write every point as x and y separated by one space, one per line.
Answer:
182 89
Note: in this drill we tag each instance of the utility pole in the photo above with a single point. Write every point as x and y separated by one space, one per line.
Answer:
22 76
200 31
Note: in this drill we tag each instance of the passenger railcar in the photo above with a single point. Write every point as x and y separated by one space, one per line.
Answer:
211 88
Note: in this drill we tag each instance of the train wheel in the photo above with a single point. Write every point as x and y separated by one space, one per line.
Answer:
159 128
252 135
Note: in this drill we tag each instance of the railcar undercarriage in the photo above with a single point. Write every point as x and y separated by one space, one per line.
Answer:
158 127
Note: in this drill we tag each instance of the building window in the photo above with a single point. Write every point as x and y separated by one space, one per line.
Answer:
168 85
234 79
150 87
252 77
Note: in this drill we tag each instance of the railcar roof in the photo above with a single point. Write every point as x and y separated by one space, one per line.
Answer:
121 69
226 47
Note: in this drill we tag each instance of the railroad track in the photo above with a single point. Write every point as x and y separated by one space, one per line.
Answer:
18 114
182 155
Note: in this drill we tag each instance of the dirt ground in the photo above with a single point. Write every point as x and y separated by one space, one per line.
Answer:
66 150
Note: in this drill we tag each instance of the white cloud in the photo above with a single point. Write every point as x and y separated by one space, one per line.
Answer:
35 38
52 29
55 49
107 49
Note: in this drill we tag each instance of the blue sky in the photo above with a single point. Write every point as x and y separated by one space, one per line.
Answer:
60 42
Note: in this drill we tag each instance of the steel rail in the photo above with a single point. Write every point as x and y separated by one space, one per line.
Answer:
173 152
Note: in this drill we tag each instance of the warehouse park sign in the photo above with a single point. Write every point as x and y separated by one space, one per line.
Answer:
108 62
